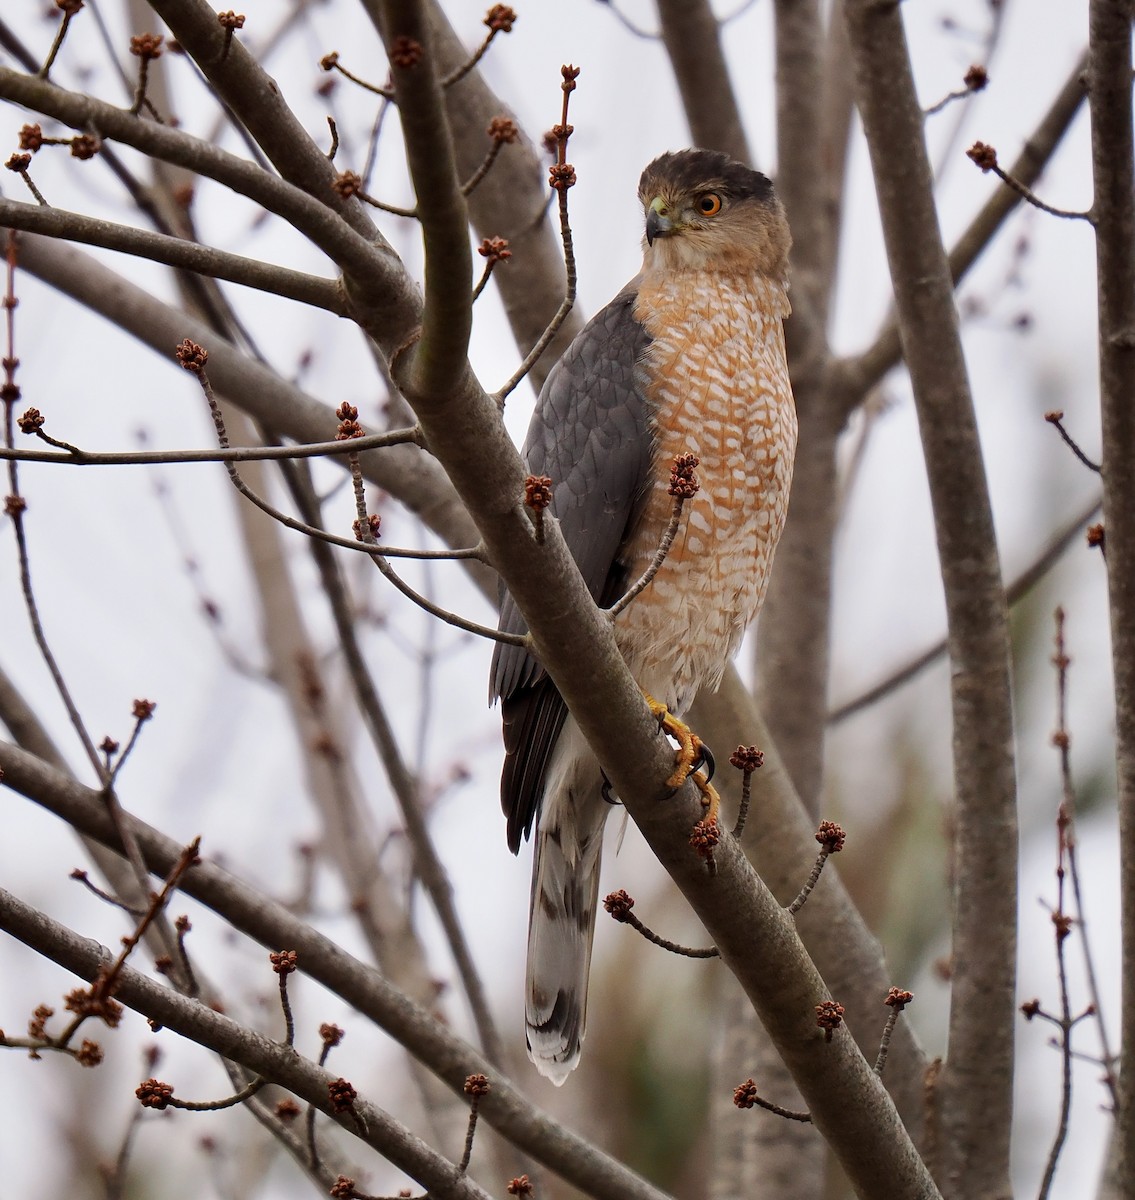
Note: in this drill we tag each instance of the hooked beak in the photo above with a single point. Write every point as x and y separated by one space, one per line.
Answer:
658 223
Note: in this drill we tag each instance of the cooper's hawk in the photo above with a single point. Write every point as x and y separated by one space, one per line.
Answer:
688 358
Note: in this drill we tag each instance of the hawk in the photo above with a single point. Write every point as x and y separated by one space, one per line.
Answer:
687 359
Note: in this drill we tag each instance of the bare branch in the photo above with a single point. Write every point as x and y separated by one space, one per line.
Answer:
1113 175
692 38
982 1011
202 1024
365 988
176 252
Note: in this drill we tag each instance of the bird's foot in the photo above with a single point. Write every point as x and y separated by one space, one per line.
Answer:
690 757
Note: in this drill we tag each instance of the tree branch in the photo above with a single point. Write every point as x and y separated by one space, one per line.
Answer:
175 252
365 988
316 219
975 1120
269 1059
692 38
1113 149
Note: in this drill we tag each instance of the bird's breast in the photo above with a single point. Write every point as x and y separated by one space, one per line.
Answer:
717 381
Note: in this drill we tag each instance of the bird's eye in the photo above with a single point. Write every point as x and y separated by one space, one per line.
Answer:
710 204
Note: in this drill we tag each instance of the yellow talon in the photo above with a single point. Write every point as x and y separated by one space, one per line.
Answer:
689 752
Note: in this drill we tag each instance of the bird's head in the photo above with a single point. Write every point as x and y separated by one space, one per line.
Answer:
706 211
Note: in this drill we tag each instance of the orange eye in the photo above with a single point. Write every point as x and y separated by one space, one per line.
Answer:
710 204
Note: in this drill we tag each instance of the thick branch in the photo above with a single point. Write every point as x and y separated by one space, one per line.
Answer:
692 38
270 1060
316 219
175 252
1113 148
976 1087
405 471
438 357
363 987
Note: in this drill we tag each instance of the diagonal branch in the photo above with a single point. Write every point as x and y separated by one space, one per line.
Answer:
257 1053
364 987
692 37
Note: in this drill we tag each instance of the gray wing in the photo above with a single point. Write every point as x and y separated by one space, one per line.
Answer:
591 434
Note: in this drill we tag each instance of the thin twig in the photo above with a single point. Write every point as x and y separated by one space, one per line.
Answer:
985 158
143 711
831 838
76 457
330 62
378 556
746 1096
562 178
888 1031
69 11
459 73
1017 590
428 866
746 759
619 905
249 1090
647 577
1063 743
809 883
1055 418
80 876
484 167
896 1000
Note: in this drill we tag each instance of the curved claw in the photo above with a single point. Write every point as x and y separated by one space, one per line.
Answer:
607 794
704 760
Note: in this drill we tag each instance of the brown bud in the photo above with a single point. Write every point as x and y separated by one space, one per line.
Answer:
745 1096
342 1095
500 18
537 492
683 480
831 837
405 52
146 46
976 78
503 131
31 421
495 249
191 356
84 146
747 758
152 1093
829 1017
561 176
347 183
31 138
984 156
477 1086
619 905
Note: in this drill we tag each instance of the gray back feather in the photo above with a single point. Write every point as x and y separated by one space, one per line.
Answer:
591 434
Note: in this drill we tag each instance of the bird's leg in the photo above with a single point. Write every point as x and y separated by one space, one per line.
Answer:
691 754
